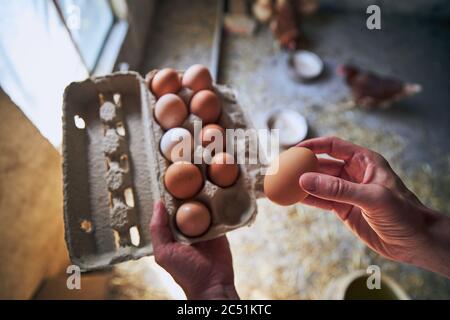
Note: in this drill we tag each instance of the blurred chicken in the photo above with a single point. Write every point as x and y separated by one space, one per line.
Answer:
284 17
263 10
307 7
373 91
285 24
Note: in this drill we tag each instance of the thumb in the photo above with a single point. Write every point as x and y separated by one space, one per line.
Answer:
159 227
337 189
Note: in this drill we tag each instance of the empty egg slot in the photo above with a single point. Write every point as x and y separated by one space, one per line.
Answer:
79 122
120 129
107 163
124 239
135 236
124 163
129 197
101 98
117 98
86 226
111 200
116 239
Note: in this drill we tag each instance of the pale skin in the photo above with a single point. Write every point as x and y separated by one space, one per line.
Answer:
359 187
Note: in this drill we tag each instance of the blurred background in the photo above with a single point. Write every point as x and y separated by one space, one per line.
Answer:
259 48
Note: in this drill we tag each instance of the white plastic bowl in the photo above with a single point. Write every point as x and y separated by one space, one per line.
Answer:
306 65
292 126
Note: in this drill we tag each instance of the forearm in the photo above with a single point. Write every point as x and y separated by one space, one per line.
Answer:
435 255
217 292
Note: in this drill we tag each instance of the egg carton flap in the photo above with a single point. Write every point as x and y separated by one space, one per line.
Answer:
93 183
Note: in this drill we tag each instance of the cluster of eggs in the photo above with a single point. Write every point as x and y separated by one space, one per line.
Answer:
183 179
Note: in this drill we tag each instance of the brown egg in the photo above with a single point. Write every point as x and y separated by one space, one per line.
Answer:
193 218
197 77
210 132
165 81
183 180
170 111
206 105
223 170
281 183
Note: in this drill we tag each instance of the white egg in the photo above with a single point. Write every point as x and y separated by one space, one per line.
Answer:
177 145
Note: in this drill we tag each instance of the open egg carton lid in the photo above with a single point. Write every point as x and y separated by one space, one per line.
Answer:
113 171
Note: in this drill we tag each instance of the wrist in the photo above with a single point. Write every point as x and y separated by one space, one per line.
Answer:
434 255
213 292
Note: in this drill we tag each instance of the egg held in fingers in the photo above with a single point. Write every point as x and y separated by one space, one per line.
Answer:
281 182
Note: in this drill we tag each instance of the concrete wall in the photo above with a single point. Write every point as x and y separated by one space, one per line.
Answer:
140 13
32 243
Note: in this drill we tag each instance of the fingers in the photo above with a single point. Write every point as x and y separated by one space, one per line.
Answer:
335 147
340 208
215 245
330 167
159 227
318 203
339 190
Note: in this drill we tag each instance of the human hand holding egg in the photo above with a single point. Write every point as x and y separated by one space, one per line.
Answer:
204 270
367 195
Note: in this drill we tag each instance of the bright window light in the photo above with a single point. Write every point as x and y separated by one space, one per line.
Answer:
37 61
40 54
90 23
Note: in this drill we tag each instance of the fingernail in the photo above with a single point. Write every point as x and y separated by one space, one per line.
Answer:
309 183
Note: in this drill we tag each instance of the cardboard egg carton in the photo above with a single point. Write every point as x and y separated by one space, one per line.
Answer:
114 172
